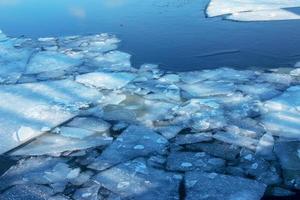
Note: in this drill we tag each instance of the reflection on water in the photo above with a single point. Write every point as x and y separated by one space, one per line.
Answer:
174 33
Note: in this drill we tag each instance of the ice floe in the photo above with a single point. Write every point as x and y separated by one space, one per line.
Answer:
253 10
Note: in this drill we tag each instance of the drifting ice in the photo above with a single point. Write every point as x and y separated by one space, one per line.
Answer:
253 10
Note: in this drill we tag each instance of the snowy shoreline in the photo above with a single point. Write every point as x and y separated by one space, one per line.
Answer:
95 123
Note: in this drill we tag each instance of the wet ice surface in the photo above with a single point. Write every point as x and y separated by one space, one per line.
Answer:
254 10
82 123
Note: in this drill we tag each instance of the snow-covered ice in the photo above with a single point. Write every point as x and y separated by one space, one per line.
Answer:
253 10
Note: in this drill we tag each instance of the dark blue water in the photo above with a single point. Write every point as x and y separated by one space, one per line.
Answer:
173 33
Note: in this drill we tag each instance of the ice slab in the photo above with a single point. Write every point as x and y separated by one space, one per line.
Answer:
90 123
49 61
38 170
208 88
282 116
106 80
12 61
135 141
221 150
193 138
99 43
28 110
264 15
219 187
265 146
135 180
28 192
3 37
53 144
236 139
224 74
187 161
253 10
201 114
288 154
263 91
74 132
111 61
88 192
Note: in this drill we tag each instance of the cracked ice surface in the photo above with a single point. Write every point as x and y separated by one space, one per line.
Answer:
81 122
253 10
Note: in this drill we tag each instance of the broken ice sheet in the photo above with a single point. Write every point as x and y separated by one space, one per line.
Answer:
28 110
253 10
